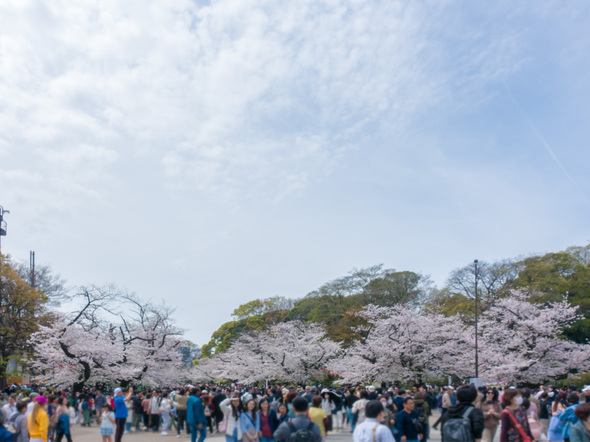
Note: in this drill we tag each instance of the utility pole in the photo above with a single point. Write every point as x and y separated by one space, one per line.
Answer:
32 268
476 307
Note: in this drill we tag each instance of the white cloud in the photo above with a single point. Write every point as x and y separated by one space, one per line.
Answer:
193 124
233 95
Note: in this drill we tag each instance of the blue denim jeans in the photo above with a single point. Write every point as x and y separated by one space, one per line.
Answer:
202 432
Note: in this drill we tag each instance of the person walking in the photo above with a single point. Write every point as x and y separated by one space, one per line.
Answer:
466 396
422 409
492 412
217 411
39 421
404 422
155 410
300 424
318 415
165 407
62 419
21 423
515 424
181 399
195 415
372 429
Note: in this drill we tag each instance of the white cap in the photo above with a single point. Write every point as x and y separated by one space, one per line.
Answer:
117 391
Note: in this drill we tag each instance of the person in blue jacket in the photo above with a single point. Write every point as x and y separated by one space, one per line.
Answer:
195 415
567 416
250 422
5 435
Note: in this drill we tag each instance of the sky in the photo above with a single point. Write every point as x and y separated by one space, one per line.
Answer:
208 153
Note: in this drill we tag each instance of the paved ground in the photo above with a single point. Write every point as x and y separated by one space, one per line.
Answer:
84 434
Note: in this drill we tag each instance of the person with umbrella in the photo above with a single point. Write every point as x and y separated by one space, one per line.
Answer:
329 399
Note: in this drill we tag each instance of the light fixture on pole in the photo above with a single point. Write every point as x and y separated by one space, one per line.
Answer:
2 225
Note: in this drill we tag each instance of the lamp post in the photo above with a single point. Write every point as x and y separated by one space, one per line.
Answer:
2 225
476 306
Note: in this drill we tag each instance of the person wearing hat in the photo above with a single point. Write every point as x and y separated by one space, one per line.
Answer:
39 421
121 412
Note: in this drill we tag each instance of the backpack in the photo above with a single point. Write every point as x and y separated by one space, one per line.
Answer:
422 418
458 429
302 435
274 405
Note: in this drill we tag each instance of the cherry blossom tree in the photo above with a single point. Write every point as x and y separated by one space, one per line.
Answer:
522 341
290 351
109 337
398 343
151 343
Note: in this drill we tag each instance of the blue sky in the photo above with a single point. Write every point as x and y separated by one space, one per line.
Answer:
210 153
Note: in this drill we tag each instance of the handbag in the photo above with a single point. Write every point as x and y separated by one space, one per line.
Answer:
525 437
534 426
250 436
222 426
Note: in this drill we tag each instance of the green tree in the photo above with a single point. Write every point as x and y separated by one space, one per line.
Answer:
556 274
447 303
44 279
406 288
21 310
260 307
254 315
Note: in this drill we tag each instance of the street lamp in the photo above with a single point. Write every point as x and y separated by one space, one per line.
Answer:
476 299
2 225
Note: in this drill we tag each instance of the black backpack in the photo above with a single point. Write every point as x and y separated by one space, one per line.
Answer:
422 418
458 429
302 435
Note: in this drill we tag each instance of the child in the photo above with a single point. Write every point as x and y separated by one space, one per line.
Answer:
108 419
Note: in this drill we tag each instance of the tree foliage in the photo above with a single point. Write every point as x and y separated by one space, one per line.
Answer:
398 343
522 340
22 308
44 279
253 316
110 336
291 351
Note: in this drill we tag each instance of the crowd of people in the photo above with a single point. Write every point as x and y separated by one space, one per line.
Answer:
305 414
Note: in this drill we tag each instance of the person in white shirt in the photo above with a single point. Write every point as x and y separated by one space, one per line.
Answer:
31 403
9 408
371 429
165 407
155 410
